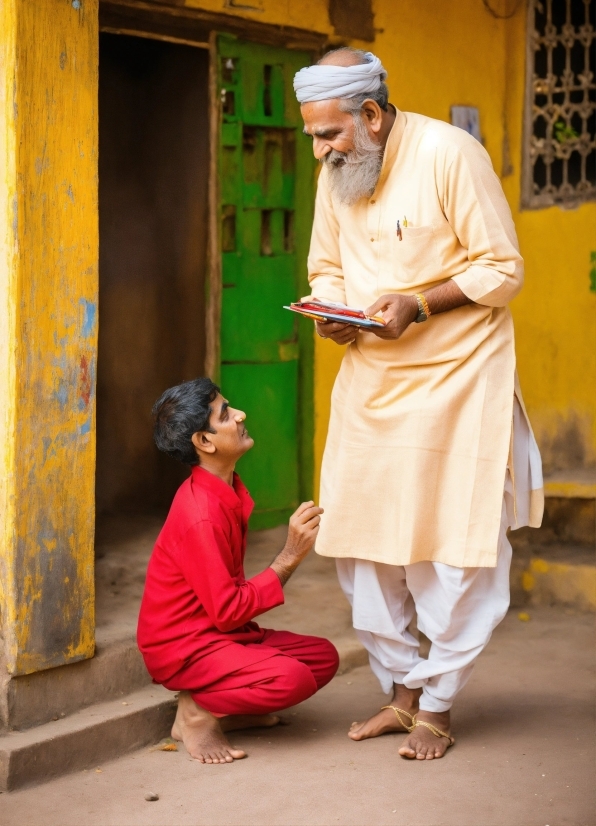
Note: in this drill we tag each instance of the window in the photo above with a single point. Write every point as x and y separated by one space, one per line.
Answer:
560 123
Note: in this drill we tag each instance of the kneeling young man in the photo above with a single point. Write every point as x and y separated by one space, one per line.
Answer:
196 631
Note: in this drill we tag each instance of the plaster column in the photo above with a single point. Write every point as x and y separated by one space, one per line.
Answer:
48 330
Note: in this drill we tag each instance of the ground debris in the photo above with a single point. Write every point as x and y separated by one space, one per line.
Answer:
151 796
166 745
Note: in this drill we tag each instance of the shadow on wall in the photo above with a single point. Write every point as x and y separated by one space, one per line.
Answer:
153 162
566 449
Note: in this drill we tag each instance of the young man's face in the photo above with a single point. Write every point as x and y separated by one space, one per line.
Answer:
230 439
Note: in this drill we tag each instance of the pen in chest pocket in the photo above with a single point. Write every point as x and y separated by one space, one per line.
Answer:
398 228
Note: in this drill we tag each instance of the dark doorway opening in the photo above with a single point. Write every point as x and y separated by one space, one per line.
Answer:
153 162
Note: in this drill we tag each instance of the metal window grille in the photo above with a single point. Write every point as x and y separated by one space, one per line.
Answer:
560 141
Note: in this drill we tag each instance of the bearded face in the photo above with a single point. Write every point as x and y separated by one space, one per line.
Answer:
354 174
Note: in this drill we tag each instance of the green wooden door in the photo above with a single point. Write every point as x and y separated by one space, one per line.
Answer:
266 196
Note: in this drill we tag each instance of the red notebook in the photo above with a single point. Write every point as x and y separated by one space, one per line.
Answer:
328 311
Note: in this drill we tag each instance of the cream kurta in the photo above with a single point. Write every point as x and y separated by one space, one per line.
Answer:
420 429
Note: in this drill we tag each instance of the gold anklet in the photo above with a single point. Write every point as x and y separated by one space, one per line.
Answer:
398 713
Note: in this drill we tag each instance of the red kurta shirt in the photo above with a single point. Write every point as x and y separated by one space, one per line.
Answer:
197 602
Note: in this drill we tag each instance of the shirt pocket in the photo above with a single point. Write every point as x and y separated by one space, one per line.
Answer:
414 257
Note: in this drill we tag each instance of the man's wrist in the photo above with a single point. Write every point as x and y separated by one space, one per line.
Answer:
282 572
283 567
413 308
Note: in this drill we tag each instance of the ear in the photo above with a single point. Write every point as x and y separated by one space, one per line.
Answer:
373 114
202 442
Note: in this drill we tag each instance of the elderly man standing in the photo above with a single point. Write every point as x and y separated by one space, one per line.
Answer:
429 457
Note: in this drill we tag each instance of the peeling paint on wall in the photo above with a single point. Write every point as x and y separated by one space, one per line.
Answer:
90 312
46 552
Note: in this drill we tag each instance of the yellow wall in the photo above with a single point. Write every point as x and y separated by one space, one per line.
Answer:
456 52
555 314
48 316
437 54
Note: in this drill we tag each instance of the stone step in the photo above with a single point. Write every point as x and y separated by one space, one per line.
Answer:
105 730
84 739
115 670
569 509
579 483
560 575
351 654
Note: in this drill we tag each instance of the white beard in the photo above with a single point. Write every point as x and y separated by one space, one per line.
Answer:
353 175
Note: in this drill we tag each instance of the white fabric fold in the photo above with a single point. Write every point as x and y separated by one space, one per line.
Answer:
322 82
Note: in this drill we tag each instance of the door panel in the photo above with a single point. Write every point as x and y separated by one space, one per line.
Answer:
266 393
266 188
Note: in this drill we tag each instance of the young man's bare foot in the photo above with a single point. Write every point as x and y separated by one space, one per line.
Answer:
386 721
422 744
202 734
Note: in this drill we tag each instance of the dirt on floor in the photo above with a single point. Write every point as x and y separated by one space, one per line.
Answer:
524 756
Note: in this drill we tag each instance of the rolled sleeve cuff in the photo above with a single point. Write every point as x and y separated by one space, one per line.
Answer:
478 282
488 286
269 589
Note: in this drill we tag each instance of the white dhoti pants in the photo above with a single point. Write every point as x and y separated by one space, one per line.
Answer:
457 609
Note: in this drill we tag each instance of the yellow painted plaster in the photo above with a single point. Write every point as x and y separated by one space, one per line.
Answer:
310 15
8 254
555 583
459 54
455 53
48 284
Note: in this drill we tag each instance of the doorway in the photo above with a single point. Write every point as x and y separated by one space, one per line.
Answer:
153 166
154 122
155 221
266 170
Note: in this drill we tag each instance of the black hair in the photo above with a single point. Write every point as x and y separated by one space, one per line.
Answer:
180 412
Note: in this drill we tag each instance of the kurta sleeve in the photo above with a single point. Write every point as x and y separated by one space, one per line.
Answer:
477 210
206 562
325 273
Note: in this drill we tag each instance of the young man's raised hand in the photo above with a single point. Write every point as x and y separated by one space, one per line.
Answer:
302 532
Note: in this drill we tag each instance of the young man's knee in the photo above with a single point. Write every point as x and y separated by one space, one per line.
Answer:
327 662
295 681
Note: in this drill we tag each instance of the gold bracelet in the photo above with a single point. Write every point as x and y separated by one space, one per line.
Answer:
423 307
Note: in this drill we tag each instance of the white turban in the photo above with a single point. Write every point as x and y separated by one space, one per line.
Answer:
322 82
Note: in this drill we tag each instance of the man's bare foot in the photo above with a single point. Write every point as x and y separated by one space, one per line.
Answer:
421 744
235 722
386 720
201 733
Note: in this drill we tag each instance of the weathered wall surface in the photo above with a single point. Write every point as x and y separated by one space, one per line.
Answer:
48 307
463 55
555 314
458 53
436 55
153 163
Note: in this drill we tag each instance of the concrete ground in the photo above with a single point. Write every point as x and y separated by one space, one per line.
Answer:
524 756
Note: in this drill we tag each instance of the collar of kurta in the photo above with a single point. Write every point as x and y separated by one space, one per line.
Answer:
232 496
392 146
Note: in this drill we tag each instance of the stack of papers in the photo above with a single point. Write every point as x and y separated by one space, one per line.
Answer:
327 311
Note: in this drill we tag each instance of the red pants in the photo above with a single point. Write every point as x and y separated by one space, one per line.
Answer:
297 668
